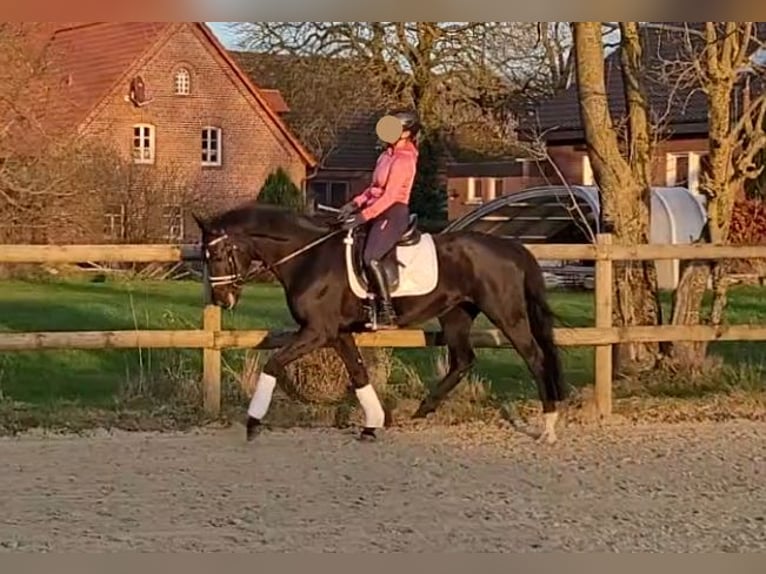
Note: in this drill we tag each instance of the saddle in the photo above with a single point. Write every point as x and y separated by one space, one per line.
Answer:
390 261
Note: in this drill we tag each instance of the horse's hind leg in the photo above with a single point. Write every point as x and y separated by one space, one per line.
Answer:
374 414
456 326
519 333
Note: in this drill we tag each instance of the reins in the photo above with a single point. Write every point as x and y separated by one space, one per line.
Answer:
306 247
236 277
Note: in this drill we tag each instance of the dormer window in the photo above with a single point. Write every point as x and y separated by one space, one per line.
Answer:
182 82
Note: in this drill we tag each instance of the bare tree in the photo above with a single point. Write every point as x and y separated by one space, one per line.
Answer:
42 170
149 206
464 78
327 96
724 60
621 167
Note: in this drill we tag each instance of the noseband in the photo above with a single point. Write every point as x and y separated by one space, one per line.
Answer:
236 278
233 278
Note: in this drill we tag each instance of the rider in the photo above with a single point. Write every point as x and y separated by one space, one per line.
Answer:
385 203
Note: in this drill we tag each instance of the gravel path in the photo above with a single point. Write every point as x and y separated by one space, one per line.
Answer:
681 488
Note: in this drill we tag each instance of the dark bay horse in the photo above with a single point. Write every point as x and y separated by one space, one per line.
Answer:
452 276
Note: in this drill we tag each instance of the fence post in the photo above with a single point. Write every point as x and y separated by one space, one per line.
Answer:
211 357
603 312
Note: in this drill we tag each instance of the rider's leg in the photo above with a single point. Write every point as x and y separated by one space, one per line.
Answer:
383 235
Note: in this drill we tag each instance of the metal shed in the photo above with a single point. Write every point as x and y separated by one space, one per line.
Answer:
561 214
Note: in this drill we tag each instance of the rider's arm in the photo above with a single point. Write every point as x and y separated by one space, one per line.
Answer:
400 180
368 195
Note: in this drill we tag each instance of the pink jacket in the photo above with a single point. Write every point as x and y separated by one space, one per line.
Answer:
391 181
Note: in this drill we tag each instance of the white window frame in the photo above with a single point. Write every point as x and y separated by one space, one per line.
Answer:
182 82
116 222
492 188
693 176
169 219
694 171
146 143
204 137
502 186
524 166
587 171
471 196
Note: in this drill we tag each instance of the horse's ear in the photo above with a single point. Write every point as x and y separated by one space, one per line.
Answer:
201 223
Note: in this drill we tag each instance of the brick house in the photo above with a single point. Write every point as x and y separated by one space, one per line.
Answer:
678 155
167 95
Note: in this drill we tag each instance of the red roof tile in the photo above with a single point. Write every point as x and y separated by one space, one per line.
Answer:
86 63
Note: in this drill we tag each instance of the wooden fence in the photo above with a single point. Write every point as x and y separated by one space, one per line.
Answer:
212 339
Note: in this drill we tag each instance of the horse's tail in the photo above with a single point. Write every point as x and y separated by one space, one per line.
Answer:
541 318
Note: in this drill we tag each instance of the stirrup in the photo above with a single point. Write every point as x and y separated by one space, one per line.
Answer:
377 308
372 312
384 311
390 322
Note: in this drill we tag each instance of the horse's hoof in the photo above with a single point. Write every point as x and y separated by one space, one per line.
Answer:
367 435
547 437
254 428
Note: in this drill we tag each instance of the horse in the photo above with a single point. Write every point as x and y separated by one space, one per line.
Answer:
451 276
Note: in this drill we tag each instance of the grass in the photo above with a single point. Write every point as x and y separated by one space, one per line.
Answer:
106 378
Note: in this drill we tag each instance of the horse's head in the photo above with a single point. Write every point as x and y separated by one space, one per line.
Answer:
227 260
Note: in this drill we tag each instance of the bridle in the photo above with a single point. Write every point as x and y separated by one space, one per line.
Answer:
236 277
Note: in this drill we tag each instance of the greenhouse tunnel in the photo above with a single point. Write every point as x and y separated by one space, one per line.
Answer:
560 214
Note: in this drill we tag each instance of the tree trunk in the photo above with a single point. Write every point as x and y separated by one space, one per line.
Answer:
718 182
623 183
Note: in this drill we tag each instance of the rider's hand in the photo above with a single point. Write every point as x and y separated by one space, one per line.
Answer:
347 211
352 221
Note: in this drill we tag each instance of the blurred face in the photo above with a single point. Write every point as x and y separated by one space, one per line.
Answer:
227 265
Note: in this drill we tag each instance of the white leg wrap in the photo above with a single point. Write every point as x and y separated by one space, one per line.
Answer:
550 422
261 400
549 429
373 411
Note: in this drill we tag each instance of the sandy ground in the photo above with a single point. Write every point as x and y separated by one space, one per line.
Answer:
472 488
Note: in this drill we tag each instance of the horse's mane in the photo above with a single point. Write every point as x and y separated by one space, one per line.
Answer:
275 217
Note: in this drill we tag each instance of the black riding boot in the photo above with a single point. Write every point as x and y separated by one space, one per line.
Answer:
386 317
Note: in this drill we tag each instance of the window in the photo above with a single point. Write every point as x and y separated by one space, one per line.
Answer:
182 82
683 170
526 167
330 193
474 194
173 222
143 143
114 222
211 146
494 188
499 186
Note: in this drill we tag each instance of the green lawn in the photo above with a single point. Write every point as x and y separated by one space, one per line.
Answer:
94 377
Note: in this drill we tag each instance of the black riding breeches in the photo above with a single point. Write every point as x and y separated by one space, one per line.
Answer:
385 231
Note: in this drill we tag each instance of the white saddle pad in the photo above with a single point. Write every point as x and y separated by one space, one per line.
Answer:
418 274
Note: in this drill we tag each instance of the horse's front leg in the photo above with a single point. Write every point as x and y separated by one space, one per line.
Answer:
374 415
304 341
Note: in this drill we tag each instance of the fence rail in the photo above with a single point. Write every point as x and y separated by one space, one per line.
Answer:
604 250
212 339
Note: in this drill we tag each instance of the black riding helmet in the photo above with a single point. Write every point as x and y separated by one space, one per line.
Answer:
409 119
